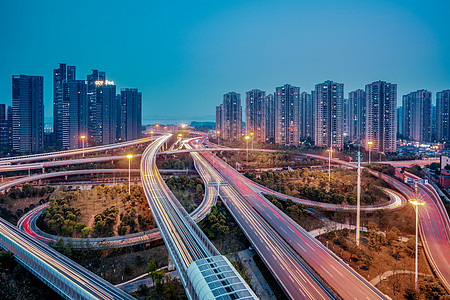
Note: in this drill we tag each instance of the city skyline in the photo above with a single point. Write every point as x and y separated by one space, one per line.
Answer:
164 59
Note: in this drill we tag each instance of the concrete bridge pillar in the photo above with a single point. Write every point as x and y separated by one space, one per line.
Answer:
170 264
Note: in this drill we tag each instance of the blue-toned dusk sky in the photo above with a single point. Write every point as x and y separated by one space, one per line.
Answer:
184 55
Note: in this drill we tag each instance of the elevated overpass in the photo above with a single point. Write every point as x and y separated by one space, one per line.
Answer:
204 273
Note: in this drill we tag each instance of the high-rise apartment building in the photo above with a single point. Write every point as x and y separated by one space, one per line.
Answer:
329 109
399 122
357 115
255 115
61 108
231 117
130 114
94 80
306 116
5 127
28 113
417 116
75 119
433 123
381 123
287 115
443 116
270 118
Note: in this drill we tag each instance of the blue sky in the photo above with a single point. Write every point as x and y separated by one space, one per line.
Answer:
184 55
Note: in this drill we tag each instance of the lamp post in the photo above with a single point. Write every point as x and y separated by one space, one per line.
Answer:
129 156
247 138
416 204
330 153
83 137
218 138
370 143
358 200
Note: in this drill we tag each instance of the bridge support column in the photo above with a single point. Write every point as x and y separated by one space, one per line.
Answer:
43 170
65 177
170 264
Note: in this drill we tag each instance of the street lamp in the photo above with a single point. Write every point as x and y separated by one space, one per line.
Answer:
180 135
129 156
370 143
218 138
330 154
83 137
247 138
416 204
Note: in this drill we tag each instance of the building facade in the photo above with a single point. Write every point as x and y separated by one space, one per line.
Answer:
94 80
287 115
270 118
357 115
381 122
107 111
306 116
329 115
255 115
130 114
75 101
231 117
28 113
417 116
60 108
5 127
443 116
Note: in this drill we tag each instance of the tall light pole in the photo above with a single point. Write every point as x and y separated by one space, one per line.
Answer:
83 137
247 138
416 204
330 151
370 143
358 200
218 138
129 156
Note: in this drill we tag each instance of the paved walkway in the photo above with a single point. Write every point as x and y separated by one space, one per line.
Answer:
387 274
132 285
258 283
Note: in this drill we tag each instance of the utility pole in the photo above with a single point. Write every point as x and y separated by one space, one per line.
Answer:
358 200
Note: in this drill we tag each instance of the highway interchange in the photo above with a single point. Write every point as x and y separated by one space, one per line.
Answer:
282 243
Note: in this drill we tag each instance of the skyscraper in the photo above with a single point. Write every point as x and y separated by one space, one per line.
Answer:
107 108
443 116
287 115
5 127
75 103
60 109
270 118
329 109
130 120
381 123
94 80
28 113
306 116
417 116
255 115
357 115
231 116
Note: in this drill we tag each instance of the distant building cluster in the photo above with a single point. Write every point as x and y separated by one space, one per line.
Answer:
289 116
87 111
